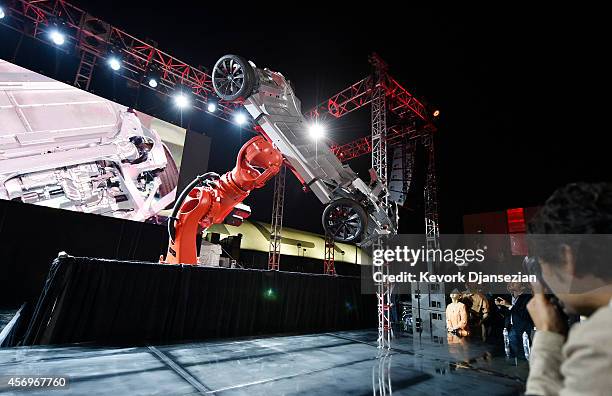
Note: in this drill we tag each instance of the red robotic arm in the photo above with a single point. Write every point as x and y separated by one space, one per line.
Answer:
209 201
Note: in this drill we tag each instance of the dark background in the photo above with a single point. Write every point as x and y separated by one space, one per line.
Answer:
511 84
509 81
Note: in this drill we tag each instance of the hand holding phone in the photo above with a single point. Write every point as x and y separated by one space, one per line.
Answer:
501 301
546 315
544 307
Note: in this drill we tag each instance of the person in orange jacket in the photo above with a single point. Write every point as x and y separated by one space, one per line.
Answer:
457 316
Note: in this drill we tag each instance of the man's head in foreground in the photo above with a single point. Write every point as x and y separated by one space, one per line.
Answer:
572 238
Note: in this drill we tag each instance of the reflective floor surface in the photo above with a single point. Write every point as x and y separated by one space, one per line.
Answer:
5 316
316 364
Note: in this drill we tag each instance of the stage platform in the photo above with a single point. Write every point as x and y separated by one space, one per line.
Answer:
127 303
333 363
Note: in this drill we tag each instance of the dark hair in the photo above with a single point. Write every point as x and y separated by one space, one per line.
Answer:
573 211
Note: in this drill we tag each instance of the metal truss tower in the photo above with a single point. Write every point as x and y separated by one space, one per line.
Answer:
379 122
85 70
329 266
429 299
276 226
379 164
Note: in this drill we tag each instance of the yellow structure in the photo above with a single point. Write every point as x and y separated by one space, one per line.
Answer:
256 236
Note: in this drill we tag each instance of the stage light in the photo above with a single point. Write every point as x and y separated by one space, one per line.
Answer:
57 37
436 113
212 107
2 14
240 119
181 100
316 131
114 63
153 76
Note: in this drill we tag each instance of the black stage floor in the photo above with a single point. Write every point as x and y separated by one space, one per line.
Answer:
321 364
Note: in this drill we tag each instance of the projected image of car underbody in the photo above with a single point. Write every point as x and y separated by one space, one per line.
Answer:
65 148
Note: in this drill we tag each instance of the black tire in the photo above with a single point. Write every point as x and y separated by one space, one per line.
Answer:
345 220
233 78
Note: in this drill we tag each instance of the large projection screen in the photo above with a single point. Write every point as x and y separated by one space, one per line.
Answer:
65 148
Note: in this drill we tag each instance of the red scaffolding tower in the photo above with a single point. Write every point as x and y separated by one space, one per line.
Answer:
384 94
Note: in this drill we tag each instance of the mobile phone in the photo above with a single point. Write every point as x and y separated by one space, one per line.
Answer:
531 265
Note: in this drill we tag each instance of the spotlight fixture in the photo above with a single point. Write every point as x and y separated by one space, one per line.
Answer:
114 63
436 113
316 131
57 37
240 119
181 100
212 107
2 13
153 76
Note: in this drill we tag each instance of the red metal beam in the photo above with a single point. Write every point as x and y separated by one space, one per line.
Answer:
358 95
403 102
399 101
345 101
395 135
83 32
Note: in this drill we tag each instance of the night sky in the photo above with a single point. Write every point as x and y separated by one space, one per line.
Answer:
503 80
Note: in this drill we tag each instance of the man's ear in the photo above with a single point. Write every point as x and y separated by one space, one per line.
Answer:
568 263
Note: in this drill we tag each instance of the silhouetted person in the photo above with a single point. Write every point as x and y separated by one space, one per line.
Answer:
478 309
517 319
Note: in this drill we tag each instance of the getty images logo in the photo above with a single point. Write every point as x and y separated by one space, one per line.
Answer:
404 254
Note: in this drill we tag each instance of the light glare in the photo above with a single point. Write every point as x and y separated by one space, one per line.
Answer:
114 63
2 14
240 119
57 37
181 101
316 131
152 83
211 107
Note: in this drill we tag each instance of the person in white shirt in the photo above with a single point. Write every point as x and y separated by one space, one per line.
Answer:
572 239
